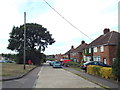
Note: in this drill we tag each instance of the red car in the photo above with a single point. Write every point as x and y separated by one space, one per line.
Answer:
65 61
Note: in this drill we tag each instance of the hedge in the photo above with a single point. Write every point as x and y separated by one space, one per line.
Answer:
72 64
105 72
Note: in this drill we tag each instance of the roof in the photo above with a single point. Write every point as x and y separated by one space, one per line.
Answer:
68 52
80 47
110 38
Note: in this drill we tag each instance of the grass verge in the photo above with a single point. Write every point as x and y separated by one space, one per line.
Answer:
76 68
12 69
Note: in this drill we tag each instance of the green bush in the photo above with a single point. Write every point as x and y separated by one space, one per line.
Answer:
51 59
72 64
35 56
116 68
116 63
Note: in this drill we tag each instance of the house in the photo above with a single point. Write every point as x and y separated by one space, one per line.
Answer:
68 53
76 54
103 48
51 57
59 56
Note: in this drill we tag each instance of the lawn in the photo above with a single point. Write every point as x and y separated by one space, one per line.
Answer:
12 69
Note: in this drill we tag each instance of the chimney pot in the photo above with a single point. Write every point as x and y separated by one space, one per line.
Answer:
72 47
82 42
106 30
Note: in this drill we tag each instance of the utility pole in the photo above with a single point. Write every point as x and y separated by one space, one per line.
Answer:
24 40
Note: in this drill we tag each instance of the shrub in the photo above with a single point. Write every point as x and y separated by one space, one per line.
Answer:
35 56
106 72
100 71
116 63
97 70
94 70
90 69
116 68
72 64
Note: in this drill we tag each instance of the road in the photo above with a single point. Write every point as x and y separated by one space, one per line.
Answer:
48 77
59 78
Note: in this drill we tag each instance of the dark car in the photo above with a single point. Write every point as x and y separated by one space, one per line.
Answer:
84 66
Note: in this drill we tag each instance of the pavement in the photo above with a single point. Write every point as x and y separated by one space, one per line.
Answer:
108 84
25 82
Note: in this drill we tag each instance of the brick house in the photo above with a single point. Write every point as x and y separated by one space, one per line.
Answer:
76 54
103 48
67 55
59 56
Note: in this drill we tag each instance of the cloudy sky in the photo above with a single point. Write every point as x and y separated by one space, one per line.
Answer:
89 16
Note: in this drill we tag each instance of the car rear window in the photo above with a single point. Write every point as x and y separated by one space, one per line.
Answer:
57 62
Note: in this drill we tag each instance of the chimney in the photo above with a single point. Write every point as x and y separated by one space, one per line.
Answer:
72 47
82 42
106 30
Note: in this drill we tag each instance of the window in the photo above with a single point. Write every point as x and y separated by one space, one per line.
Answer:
96 58
88 58
114 59
105 60
85 51
102 48
89 50
95 49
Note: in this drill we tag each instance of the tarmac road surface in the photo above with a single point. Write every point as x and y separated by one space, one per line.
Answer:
50 77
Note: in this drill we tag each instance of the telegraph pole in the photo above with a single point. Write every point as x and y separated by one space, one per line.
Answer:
24 40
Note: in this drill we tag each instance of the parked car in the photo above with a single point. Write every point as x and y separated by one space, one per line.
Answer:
57 64
7 61
48 61
51 63
2 61
10 61
84 66
65 61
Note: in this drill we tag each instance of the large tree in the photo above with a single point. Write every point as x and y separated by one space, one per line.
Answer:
37 39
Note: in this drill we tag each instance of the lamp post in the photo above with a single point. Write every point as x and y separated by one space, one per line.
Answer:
24 40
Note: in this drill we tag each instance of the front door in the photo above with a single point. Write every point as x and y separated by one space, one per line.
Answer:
105 60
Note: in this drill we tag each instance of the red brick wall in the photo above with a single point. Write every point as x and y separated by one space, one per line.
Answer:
112 54
58 56
78 56
109 53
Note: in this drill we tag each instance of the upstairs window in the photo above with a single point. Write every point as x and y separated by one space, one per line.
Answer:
85 51
102 49
95 49
89 50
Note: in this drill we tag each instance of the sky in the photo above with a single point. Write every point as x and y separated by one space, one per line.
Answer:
89 16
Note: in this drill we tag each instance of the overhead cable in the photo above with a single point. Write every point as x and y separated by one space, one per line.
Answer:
67 20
